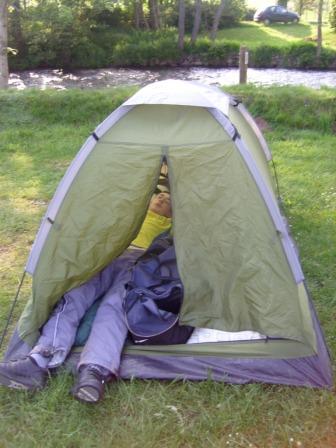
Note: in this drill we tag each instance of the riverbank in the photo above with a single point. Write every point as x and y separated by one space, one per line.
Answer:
220 53
277 46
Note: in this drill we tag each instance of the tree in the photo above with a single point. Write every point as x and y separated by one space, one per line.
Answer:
15 26
319 30
332 16
154 13
283 3
3 44
181 24
197 20
139 16
217 18
304 5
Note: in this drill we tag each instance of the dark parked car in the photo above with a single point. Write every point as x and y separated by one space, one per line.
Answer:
275 14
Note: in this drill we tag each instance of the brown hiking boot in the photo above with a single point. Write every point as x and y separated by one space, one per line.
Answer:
23 374
90 384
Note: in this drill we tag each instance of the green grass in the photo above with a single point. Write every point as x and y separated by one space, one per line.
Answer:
278 34
40 134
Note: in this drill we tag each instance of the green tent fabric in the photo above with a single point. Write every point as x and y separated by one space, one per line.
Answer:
230 255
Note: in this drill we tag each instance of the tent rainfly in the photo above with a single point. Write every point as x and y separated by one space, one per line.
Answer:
237 261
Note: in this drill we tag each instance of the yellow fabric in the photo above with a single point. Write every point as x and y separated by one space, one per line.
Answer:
152 226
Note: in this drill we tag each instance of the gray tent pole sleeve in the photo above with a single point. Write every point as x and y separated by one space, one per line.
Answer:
66 182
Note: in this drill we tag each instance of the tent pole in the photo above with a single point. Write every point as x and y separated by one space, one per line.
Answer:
10 314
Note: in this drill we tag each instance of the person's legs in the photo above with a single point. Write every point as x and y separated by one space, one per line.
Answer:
108 333
59 332
100 358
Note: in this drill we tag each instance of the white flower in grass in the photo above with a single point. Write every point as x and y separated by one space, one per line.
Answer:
172 408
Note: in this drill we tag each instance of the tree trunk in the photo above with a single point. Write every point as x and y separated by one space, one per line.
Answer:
3 44
197 20
154 14
181 24
300 7
16 27
139 17
319 30
137 20
217 18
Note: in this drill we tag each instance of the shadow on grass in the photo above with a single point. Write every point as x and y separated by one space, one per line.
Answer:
300 30
254 34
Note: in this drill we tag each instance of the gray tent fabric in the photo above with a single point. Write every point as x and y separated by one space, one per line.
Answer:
236 259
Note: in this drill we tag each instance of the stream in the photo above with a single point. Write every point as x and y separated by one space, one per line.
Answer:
111 77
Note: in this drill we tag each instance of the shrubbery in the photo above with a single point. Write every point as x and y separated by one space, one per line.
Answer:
102 47
266 56
303 55
213 53
161 49
299 55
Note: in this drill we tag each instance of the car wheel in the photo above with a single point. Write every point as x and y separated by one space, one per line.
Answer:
295 20
267 22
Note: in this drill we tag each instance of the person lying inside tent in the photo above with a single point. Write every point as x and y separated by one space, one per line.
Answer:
100 358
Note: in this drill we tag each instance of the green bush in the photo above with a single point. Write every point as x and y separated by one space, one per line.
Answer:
328 59
303 55
213 53
60 44
156 48
234 11
249 14
63 34
200 47
300 55
266 56
223 53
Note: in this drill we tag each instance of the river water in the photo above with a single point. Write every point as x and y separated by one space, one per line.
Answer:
110 77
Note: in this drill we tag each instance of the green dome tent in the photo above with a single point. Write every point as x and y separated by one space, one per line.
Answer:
236 259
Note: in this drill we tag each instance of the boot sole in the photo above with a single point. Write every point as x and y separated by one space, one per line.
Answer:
12 384
87 395
18 385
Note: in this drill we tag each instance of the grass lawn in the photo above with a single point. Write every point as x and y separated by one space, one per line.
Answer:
40 134
278 34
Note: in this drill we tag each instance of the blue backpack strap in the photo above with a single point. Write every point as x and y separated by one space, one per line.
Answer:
157 265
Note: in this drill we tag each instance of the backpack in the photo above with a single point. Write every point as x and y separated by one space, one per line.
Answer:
154 296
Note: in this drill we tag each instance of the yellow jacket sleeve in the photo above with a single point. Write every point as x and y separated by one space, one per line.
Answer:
152 226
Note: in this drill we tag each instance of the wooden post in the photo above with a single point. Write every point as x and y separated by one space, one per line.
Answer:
243 64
